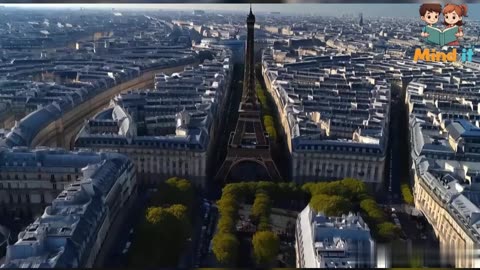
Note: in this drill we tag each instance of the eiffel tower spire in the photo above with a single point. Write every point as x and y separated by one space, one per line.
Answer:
249 92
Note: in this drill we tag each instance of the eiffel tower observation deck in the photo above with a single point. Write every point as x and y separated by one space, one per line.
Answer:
248 157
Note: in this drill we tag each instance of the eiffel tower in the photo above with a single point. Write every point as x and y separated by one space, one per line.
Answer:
248 157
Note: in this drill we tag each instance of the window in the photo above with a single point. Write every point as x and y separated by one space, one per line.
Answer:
69 177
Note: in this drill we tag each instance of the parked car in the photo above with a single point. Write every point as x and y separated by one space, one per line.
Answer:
397 222
127 246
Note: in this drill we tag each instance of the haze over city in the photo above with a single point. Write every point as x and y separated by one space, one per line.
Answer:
369 10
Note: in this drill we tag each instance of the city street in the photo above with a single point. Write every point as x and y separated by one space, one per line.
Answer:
116 257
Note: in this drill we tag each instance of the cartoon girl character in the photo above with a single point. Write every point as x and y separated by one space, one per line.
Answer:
453 16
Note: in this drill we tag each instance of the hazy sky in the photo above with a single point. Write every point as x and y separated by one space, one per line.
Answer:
377 10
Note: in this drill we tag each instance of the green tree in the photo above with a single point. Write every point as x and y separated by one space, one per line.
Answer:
161 238
356 188
268 120
407 194
350 188
226 224
371 208
266 245
387 231
272 132
325 188
263 224
261 205
268 187
332 205
228 206
181 213
174 191
232 189
157 215
338 188
225 248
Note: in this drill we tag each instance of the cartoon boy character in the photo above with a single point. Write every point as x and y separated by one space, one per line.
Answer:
453 16
429 13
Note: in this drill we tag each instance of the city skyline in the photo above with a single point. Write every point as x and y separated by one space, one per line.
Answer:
368 10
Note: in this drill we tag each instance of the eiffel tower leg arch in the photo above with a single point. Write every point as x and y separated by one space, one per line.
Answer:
247 169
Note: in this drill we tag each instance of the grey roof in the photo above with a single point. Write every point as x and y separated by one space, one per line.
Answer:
64 235
196 93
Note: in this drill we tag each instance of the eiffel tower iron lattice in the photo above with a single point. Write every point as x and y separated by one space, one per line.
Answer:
248 156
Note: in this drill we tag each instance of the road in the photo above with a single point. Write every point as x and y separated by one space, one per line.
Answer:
419 233
397 167
115 257
188 259
414 229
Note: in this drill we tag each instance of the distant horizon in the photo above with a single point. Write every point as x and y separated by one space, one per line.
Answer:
369 10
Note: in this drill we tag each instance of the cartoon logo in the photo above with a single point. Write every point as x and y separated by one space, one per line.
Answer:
453 21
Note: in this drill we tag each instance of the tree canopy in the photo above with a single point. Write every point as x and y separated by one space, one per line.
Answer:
348 188
407 194
371 208
226 224
261 205
174 191
387 231
164 232
225 248
266 245
330 205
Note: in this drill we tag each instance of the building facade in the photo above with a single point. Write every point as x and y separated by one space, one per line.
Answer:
333 242
71 231
335 114
31 179
167 131
444 144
